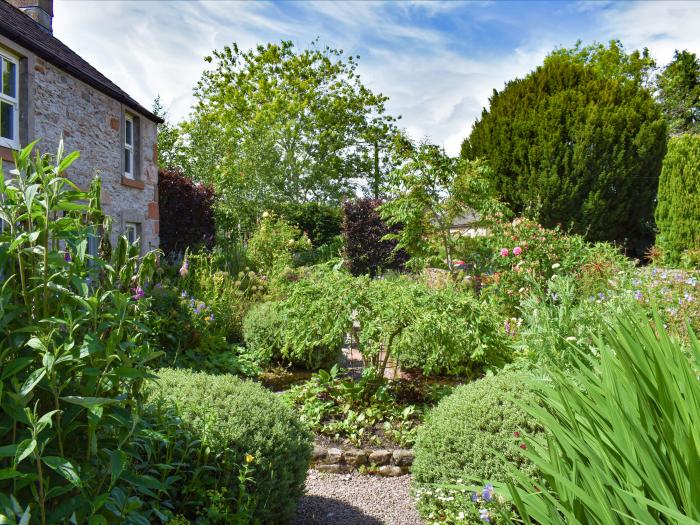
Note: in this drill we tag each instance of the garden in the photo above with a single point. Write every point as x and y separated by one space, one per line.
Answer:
539 365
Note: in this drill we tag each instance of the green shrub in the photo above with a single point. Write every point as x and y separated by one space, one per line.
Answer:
678 208
444 330
622 443
321 222
317 313
466 436
263 331
570 146
233 418
274 243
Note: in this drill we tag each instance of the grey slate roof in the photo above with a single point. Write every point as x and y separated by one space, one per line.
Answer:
19 28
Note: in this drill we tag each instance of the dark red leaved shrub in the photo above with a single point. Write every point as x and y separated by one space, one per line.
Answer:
363 229
186 213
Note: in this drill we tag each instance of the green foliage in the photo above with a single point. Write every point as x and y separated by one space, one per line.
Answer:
468 435
678 208
444 330
264 331
359 411
320 222
520 256
568 146
317 313
432 191
171 154
274 243
621 445
231 418
276 124
73 355
612 61
678 88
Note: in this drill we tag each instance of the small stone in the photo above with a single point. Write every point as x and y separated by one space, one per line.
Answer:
334 455
403 458
318 454
380 457
390 471
332 469
355 457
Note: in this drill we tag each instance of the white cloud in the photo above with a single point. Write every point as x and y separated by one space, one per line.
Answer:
150 48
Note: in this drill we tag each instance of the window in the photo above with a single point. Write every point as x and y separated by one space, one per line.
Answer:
131 230
129 147
9 102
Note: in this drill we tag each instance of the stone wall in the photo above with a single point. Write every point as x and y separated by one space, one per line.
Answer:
92 122
384 462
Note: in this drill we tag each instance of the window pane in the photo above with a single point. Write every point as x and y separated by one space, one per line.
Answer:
129 132
7 120
127 160
9 78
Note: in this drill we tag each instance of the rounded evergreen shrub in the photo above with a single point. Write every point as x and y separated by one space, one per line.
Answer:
678 208
233 418
465 434
263 331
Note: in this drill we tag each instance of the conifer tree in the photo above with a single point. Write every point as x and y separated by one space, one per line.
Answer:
678 209
570 146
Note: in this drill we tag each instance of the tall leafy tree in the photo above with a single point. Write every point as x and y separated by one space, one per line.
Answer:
170 151
568 145
678 209
279 124
678 88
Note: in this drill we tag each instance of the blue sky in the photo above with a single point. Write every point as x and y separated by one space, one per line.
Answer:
437 61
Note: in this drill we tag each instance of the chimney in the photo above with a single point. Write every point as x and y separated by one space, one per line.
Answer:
41 11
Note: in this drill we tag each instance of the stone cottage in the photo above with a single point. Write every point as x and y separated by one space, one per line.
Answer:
48 91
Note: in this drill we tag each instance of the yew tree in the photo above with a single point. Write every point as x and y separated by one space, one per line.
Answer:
570 146
678 210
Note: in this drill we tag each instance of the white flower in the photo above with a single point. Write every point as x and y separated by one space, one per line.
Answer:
555 266
571 338
265 215
460 516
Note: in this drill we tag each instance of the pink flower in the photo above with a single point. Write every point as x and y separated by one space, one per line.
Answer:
138 294
517 250
504 252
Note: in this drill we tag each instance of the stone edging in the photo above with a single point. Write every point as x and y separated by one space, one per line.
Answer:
383 462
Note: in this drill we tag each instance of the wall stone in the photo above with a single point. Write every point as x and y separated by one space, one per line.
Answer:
91 122
336 460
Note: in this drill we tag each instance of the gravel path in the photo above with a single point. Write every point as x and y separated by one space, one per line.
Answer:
353 499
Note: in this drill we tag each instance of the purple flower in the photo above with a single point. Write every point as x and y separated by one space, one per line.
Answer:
638 295
183 294
488 492
211 317
484 515
138 294
67 257
475 497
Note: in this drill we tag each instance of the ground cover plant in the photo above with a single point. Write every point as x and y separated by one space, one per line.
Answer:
369 411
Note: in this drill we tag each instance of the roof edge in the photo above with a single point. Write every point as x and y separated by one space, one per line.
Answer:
68 68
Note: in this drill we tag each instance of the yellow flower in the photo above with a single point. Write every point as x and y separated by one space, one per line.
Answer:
249 458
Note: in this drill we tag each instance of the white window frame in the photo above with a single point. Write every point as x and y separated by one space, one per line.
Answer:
129 147
12 143
132 227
